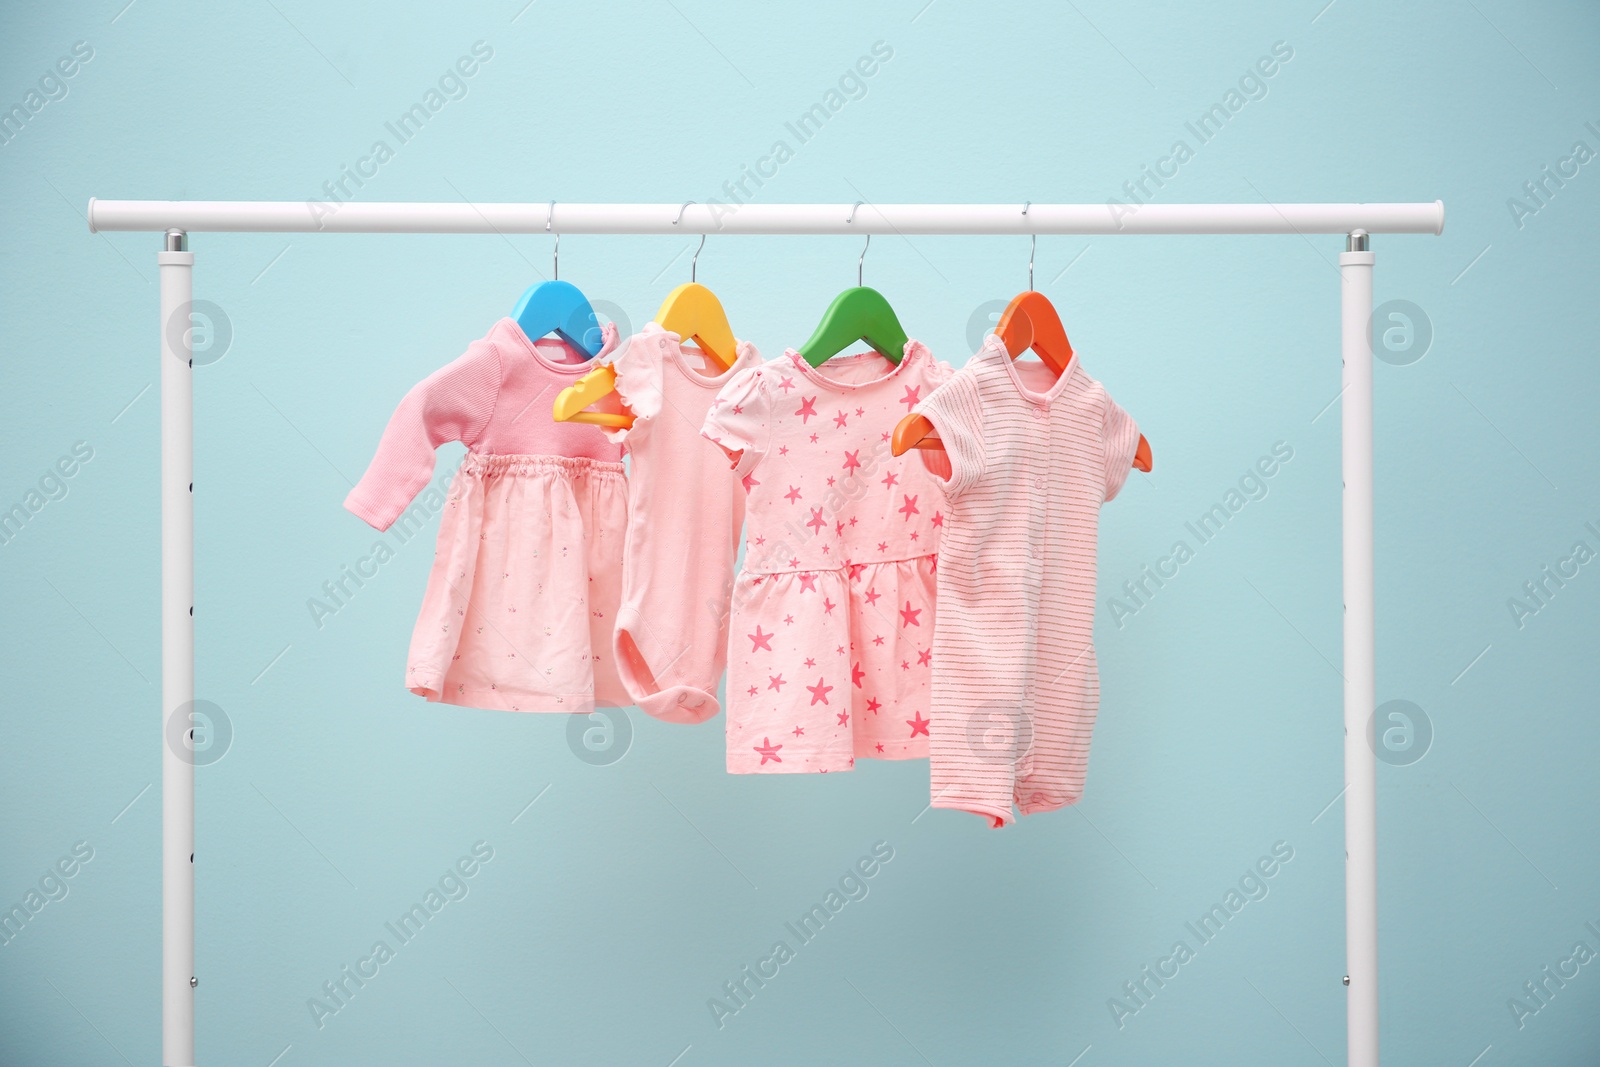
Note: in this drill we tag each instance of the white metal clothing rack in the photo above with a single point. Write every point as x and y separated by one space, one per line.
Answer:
177 218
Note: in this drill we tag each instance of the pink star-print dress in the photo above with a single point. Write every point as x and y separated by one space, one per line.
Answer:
830 642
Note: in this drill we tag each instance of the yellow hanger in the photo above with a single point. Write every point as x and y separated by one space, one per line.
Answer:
692 312
570 402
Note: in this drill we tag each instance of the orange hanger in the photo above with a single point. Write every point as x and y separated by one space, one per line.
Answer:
1029 321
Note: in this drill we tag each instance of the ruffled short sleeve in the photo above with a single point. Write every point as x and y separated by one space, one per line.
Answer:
740 419
637 365
1121 436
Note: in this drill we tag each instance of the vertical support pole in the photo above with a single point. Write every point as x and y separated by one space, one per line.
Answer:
177 653
1360 761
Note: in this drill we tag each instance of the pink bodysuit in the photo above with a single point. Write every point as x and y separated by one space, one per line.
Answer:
1030 459
831 638
685 508
526 577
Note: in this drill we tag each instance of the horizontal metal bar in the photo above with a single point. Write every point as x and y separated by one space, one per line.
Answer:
1113 218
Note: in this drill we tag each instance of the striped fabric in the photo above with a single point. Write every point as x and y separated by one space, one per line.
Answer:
1015 688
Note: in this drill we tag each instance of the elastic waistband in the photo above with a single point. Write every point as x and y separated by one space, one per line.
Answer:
849 570
520 464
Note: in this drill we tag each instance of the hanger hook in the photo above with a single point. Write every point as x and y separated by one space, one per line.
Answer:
1033 244
555 254
694 264
861 262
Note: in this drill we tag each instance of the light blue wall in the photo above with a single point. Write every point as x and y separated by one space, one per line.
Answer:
616 906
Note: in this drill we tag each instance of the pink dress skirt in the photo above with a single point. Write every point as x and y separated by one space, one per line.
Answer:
526 582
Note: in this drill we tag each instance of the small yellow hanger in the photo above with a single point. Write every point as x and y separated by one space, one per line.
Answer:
570 402
692 312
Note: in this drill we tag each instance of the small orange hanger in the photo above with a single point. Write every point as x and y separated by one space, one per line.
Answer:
1029 321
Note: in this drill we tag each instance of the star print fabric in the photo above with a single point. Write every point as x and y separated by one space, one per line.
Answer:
830 645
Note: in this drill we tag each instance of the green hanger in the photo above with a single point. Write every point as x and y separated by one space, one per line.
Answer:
859 314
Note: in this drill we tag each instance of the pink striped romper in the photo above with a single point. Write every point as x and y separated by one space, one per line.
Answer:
1015 688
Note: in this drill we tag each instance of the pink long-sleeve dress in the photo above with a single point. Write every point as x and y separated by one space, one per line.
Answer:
527 575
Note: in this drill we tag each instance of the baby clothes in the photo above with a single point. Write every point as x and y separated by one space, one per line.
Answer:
1015 686
526 576
685 508
831 635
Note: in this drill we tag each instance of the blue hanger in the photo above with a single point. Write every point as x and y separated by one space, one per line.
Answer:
558 307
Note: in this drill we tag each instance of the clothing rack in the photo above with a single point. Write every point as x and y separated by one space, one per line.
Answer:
177 218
